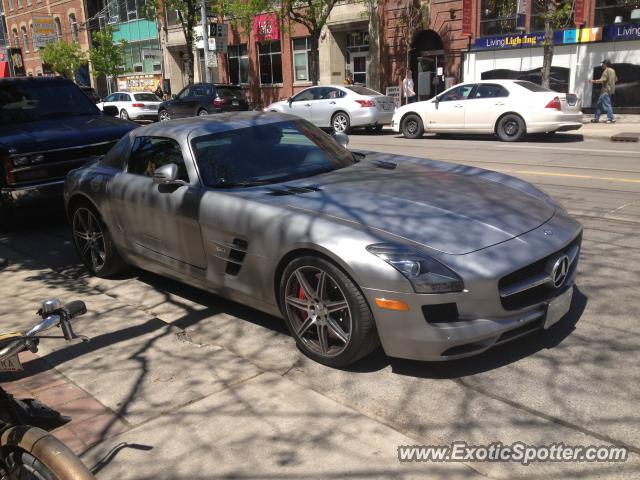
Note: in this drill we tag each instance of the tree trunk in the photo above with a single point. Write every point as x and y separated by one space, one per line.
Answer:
314 70
374 45
547 57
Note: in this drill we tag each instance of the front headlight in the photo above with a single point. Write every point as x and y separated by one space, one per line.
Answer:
425 274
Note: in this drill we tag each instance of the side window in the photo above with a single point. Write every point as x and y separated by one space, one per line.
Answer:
111 98
198 91
305 95
328 93
149 153
458 93
489 90
116 156
125 97
184 93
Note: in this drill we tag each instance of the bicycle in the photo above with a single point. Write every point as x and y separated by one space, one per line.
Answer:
28 451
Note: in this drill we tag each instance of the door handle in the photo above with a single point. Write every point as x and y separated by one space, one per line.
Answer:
332 103
459 106
500 103
307 104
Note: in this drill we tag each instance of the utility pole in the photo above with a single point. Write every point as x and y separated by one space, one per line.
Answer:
205 39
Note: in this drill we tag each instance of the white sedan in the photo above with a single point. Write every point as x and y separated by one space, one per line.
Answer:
508 108
133 105
339 107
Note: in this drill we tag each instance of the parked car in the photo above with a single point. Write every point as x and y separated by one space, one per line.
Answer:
91 93
203 99
508 108
339 107
434 260
134 105
47 127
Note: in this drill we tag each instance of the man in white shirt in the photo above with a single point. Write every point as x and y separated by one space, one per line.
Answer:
408 89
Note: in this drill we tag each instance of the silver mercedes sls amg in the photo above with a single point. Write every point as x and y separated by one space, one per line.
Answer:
432 260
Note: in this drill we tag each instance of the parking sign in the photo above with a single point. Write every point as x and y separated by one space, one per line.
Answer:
218 31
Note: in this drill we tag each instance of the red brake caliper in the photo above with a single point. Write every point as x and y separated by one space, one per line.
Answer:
301 296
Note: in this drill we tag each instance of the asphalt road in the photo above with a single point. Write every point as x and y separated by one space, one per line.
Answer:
578 384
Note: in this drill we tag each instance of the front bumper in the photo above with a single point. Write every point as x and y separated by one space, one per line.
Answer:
23 196
480 321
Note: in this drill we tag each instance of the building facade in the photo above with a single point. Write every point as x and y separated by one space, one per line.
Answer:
25 19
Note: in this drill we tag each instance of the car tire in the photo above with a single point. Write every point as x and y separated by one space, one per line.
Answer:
164 116
412 126
336 338
511 128
202 112
124 115
93 242
340 122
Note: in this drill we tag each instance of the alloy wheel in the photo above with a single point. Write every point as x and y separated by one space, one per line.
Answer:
318 311
411 126
203 113
511 128
164 116
340 123
89 238
124 115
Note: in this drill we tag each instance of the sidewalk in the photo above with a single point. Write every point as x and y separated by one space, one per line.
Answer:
147 401
627 124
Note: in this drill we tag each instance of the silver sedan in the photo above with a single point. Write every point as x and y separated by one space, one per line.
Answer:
432 260
339 107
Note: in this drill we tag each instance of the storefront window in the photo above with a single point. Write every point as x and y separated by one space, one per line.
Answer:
238 64
498 17
301 59
270 58
627 88
617 11
538 7
358 41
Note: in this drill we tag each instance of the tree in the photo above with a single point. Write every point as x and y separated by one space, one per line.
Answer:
556 14
373 12
412 16
313 14
65 58
188 15
106 56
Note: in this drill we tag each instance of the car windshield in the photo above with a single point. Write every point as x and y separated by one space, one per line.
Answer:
362 90
146 97
534 87
25 101
263 154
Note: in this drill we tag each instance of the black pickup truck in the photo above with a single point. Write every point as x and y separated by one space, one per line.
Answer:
48 127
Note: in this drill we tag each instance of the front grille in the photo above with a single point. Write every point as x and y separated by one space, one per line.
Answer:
75 153
530 285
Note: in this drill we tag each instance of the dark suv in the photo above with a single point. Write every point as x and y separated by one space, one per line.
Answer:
47 127
203 99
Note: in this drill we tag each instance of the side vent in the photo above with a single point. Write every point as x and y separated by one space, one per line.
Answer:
293 191
237 252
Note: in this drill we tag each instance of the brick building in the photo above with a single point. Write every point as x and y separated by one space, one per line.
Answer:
67 18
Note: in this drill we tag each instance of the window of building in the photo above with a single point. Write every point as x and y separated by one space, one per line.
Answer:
238 64
132 10
11 5
358 41
74 27
19 3
270 59
28 5
617 11
538 7
33 38
58 25
16 38
498 17
25 38
301 58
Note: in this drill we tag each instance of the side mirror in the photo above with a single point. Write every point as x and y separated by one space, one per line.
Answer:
290 100
437 101
341 139
110 110
167 174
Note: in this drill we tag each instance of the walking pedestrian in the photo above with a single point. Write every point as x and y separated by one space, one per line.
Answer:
408 88
159 93
608 81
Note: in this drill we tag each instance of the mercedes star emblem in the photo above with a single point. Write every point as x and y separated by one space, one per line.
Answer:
560 271
548 233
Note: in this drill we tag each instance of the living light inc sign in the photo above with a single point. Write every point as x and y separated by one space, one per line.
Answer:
43 30
622 32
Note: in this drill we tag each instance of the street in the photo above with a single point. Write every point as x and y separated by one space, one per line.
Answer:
576 384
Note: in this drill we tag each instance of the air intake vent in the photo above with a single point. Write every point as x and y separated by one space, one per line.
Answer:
293 191
236 256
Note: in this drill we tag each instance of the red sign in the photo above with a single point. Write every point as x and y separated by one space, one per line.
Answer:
466 17
579 12
265 27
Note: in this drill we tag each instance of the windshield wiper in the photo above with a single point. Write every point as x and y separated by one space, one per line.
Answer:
248 183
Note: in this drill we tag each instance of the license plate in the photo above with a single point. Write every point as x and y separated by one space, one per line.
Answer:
11 364
558 308
152 107
387 107
235 103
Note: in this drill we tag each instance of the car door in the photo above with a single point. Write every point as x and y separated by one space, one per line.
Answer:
483 107
448 114
159 221
325 106
124 102
302 104
197 100
110 101
177 107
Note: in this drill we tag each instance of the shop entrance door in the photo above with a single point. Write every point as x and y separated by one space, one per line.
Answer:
359 66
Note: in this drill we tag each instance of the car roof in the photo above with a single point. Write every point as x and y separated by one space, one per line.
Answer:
184 128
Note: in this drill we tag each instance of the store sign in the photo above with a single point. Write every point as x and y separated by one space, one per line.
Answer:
395 93
43 30
523 40
467 10
265 27
622 32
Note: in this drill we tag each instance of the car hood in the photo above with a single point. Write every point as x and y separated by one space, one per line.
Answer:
450 211
63 132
